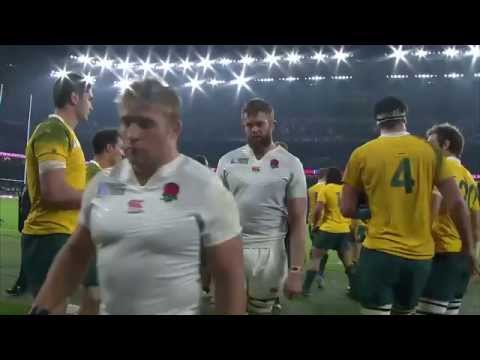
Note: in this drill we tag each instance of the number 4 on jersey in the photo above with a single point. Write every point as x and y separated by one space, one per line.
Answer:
403 176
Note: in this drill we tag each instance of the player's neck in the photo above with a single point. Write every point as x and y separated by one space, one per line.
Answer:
399 129
259 151
103 161
145 173
68 116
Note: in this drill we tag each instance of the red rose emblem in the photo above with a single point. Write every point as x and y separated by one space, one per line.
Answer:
274 163
170 192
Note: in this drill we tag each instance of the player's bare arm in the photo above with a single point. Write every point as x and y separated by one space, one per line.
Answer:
57 193
226 264
297 209
349 203
67 271
317 215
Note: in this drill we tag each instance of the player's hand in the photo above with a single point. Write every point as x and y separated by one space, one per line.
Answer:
293 285
315 229
473 263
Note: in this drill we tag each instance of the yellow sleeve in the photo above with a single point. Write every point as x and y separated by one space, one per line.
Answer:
352 175
321 195
473 201
443 167
51 144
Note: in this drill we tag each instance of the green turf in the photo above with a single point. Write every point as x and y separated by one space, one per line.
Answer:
331 300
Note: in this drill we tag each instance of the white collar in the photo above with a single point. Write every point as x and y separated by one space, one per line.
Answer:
454 158
162 171
249 150
394 134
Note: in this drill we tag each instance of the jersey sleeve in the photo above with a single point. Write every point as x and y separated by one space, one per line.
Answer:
221 170
297 187
443 168
321 195
88 196
51 147
92 170
221 219
352 174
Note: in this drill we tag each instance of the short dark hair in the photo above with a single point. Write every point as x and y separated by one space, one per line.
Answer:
153 91
255 106
202 159
103 138
65 86
334 176
451 133
389 112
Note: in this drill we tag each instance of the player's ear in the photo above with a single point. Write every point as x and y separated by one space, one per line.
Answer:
446 144
74 98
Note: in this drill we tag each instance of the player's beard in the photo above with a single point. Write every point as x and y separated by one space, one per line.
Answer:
260 144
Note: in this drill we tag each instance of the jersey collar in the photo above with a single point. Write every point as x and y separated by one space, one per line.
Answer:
394 134
96 163
162 172
251 154
454 158
58 117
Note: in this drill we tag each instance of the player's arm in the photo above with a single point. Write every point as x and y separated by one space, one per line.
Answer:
318 213
352 187
67 271
51 147
226 264
436 204
475 220
349 203
56 192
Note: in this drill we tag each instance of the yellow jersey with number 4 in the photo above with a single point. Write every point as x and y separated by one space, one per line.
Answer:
333 220
397 173
445 234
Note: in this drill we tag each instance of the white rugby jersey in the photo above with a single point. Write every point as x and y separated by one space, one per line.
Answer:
261 189
148 237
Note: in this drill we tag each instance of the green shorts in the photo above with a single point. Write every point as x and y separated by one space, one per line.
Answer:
330 241
91 278
448 278
38 253
385 280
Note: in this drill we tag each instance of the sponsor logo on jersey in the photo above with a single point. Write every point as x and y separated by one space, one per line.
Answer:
170 192
135 206
256 168
239 161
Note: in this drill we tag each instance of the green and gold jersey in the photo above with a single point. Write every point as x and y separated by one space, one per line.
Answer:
312 202
333 220
445 234
397 173
53 145
92 169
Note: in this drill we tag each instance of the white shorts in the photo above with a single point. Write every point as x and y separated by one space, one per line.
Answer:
265 272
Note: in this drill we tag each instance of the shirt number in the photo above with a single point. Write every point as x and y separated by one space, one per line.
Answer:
403 176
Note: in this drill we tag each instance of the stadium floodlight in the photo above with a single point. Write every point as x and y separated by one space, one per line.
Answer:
421 53
105 63
290 79
272 59
195 84
241 81
340 55
451 52
206 63
89 79
293 58
166 66
452 75
477 75
125 65
214 82
186 64
123 84
85 60
319 56
147 67
60 73
225 61
316 78
474 52
246 60
398 54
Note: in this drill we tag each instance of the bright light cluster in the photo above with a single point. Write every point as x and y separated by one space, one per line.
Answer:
341 77
397 76
453 76
425 76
